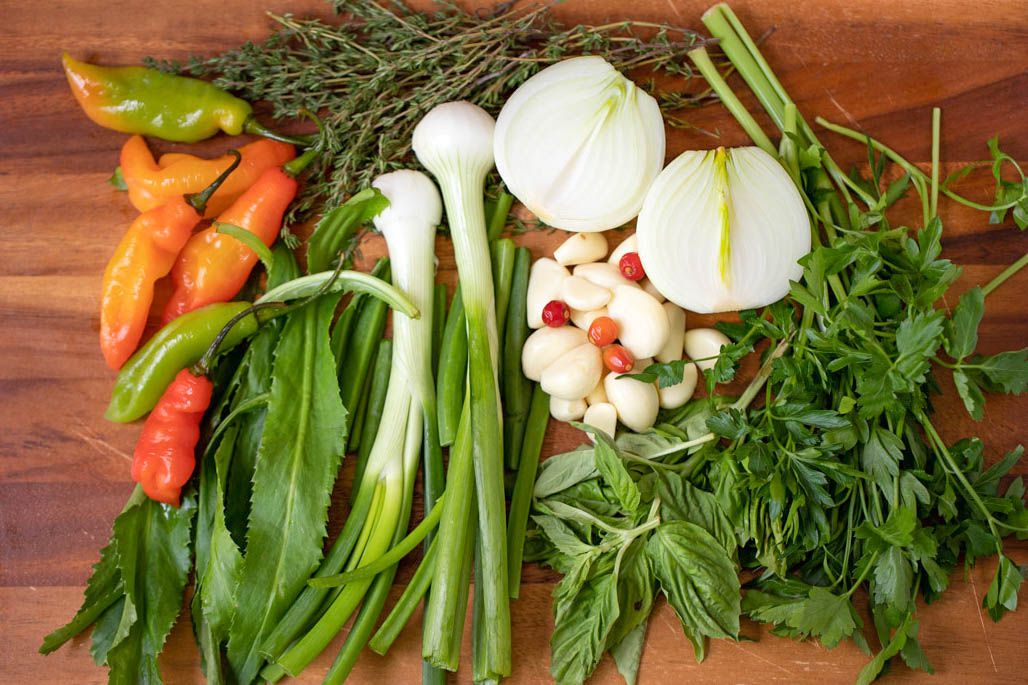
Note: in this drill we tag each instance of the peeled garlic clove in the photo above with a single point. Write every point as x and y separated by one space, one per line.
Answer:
636 402
547 344
629 244
544 283
603 274
672 350
579 293
581 248
648 287
584 318
573 374
701 343
598 394
642 323
567 410
674 396
602 416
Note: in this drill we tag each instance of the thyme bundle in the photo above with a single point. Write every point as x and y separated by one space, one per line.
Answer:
374 75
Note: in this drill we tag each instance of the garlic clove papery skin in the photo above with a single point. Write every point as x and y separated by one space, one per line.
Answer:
704 344
674 396
581 294
544 284
567 410
574 374
723 230
672 350
602 416
583 318
629 244
643 326
581 248
545 345
636 402
579 144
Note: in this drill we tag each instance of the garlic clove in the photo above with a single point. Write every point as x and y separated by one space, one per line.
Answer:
643 326
629 244
648 287
598 395
573 374
674 396
567 410
545 345
544 283
636 402
672 350
602 416
604 275
584 318
581 248
704 343
579 293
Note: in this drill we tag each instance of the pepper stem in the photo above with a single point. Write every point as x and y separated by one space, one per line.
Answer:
198 201
254 127
296 166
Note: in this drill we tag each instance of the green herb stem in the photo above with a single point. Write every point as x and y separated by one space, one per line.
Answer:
1004 275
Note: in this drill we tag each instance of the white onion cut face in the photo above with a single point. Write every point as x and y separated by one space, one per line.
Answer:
579 144
704 266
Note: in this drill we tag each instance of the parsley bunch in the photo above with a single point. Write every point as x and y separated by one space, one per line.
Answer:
827 475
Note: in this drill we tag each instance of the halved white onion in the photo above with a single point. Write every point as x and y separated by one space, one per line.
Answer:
578 144
722 230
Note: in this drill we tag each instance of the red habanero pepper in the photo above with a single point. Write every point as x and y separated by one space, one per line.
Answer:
146 253
164 458
151 183
213 267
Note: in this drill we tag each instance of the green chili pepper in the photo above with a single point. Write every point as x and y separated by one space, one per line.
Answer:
153 103
178 345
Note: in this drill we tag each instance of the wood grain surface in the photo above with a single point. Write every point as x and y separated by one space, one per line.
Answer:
64 471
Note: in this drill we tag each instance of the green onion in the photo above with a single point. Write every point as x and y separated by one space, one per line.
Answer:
521 500
372 417
453 370
517 390
502 253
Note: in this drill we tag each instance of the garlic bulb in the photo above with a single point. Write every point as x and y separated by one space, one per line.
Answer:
578 144
722 230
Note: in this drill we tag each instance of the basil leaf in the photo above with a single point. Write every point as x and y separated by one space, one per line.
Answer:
628 652
698 578
562 471
579 635
681 501
613 470
303 440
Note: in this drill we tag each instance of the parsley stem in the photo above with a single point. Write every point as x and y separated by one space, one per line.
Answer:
936 123
1005 274
942 450
862 577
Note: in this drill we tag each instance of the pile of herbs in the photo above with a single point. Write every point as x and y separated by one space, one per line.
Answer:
828 474
373 76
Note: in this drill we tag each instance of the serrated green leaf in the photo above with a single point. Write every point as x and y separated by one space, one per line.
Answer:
1007 371
1002 594
893 576
303 440
880 458
970 394
962 332
152 541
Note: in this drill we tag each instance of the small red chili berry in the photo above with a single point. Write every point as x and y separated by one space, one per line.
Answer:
556 314
632 267
618 359
603 331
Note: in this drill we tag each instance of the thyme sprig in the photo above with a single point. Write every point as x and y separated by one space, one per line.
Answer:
372 76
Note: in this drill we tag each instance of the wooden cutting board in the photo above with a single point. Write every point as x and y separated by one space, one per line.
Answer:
64 471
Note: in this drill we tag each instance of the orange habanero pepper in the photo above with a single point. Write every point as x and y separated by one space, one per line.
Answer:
213 267
164 457
146 253
151 183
